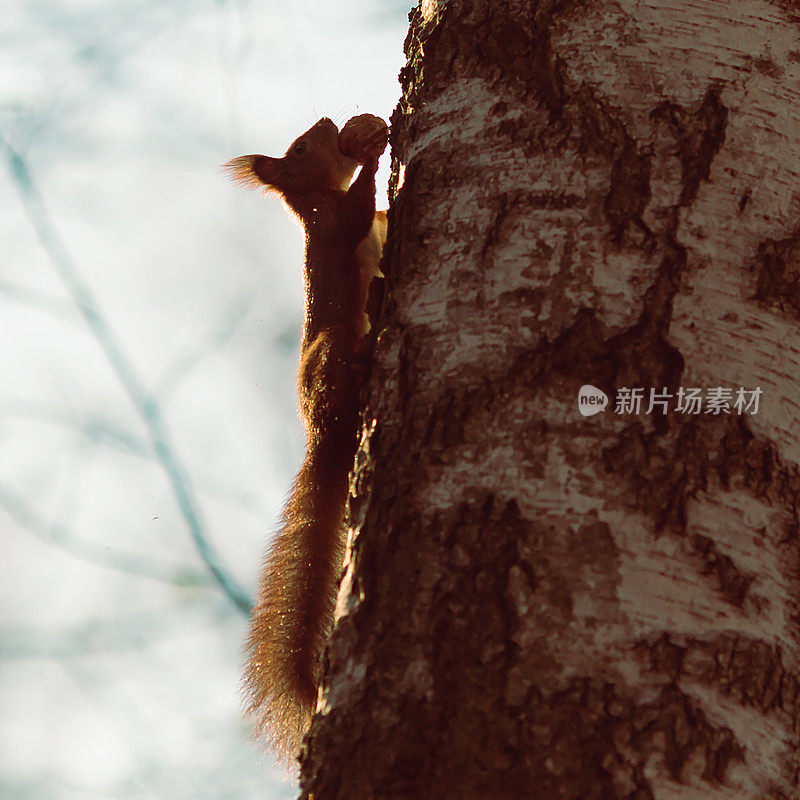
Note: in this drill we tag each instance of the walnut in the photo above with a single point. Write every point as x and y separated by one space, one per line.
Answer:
363 137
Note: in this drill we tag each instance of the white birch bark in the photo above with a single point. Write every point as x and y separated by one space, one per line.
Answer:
539 604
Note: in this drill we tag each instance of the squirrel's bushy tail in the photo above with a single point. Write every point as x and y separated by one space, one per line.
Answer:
297 594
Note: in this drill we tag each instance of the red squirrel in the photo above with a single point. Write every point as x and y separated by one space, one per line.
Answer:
344 239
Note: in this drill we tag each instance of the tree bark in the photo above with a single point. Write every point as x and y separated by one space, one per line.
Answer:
538 604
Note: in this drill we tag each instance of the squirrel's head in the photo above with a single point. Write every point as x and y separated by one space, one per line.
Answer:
312 162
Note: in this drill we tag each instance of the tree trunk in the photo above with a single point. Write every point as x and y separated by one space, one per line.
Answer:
539 604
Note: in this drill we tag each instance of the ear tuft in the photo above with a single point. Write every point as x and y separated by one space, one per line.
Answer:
242 170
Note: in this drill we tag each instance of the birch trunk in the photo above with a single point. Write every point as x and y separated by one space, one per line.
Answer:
539 604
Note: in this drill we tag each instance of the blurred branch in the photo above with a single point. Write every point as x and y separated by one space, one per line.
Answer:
41 300
59 536
145 405
214 340
91 426
231 56
98 430
103 636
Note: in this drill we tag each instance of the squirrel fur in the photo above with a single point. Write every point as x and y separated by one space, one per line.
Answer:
344 239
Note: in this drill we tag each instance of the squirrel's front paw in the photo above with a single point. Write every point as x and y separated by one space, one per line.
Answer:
364 137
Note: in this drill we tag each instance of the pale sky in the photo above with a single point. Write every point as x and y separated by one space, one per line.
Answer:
119 657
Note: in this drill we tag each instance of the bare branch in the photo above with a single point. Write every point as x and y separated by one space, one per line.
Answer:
104 635
57 535
41 301
214 340
99 430
144 403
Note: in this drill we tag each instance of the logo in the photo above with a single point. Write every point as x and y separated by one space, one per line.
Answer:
714 400
591 400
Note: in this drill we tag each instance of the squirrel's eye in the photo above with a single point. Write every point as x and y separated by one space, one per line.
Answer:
299 148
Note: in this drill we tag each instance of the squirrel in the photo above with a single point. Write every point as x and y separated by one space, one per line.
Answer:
344 237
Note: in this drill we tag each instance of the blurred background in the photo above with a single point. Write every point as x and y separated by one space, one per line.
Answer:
150 314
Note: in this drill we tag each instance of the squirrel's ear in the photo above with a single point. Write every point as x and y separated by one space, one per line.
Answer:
252 171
